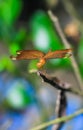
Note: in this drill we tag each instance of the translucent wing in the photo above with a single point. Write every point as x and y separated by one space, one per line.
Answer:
27 54
59 54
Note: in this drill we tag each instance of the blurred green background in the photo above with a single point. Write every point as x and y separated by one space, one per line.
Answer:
25 25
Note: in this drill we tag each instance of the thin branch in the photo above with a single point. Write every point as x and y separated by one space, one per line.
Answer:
58 120
56 83
60 108
67 45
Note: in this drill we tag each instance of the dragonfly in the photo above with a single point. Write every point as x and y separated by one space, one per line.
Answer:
41 56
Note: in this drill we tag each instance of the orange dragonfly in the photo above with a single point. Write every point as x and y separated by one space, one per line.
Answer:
35 54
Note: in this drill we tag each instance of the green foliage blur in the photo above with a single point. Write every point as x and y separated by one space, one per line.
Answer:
36 33
39 33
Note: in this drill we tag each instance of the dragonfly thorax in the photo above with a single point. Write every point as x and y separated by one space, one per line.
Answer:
41 63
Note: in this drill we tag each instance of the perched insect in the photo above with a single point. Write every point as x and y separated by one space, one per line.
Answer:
35 54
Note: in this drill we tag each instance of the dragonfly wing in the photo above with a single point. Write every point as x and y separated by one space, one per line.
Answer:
59 54
27 54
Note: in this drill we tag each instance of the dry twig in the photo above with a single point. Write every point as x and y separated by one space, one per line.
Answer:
67 45
56 83
58 120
